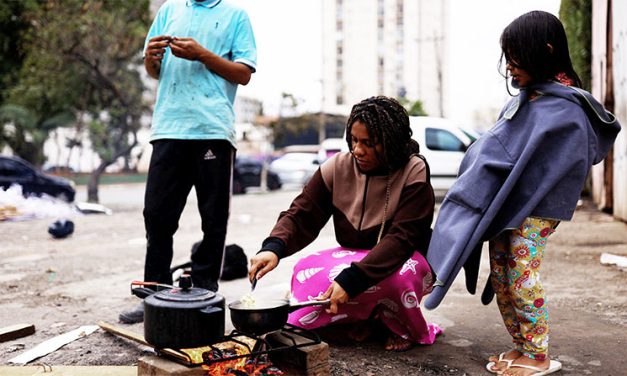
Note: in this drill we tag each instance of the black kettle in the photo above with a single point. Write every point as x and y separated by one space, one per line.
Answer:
180 317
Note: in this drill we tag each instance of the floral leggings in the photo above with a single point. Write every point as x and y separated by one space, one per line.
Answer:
515 258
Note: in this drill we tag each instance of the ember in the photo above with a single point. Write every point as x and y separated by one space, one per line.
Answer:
257 366
216 366
247 354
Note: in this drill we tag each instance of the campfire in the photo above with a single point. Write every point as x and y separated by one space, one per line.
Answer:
259 365
238 356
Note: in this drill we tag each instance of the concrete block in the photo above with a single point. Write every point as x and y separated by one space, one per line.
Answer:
158 366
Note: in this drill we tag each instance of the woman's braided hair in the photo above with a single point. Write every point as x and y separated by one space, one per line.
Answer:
387 123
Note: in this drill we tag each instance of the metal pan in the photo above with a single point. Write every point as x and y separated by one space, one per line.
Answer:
265 316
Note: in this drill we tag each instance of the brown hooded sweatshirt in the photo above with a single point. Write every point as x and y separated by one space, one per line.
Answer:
357 201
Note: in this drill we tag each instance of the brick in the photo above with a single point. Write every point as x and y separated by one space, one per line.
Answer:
304 358
157 366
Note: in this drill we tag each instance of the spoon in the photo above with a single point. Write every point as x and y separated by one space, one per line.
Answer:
253 283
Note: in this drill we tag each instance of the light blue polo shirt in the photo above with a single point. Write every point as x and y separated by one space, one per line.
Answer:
193 102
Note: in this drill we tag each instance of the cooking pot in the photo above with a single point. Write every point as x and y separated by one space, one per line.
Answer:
181 317
265 316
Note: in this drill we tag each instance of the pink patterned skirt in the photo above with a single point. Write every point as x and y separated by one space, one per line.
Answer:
397 297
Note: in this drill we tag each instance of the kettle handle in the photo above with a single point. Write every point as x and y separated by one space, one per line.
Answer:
142 292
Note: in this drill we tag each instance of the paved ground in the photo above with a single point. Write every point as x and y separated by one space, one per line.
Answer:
59 285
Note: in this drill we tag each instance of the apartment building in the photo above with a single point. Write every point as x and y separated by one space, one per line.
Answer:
384 47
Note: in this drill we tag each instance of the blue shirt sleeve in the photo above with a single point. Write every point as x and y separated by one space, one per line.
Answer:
244 48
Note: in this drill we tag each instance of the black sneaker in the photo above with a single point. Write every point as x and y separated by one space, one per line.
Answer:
133 316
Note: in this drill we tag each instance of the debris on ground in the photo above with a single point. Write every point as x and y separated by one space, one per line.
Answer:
16 331
53 344
61 229
92 208
15 207
610 259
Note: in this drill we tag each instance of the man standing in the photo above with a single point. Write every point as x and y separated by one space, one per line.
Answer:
199 50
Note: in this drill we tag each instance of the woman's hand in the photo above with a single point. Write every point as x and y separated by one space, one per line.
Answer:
262 263
337 294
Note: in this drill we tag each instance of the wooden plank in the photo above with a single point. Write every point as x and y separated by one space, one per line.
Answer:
69 370
140 338
16 331
123 333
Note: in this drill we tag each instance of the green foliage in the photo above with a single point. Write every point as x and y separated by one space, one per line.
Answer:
25 134
576 15
13 24
414 108
81 57
303 129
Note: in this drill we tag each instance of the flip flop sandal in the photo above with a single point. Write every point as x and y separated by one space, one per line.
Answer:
493 364
554 366
406 347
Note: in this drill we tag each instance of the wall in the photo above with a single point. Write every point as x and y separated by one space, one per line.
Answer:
614 197
619 50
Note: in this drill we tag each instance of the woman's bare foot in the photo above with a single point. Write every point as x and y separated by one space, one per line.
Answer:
503 361
515 370
397 343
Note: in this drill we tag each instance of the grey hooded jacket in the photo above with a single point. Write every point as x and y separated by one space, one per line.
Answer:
533 162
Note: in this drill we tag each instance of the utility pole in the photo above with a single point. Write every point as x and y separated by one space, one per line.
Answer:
322 118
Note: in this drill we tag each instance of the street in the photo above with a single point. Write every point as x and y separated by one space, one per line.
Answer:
59 285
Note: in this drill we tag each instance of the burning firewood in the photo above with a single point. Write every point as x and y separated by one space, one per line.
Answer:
218 361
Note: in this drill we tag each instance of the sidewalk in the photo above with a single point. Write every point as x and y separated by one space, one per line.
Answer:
588 303
58 285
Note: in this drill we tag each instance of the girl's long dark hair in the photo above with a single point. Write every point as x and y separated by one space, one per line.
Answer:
387 123
524 44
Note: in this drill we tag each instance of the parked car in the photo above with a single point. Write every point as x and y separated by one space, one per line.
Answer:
247 173
295 168
330 147
14 170
443 143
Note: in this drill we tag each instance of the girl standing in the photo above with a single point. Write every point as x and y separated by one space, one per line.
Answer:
517 182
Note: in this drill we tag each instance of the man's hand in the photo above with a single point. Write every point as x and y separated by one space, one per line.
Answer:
337 294
262 263
186 48
154 54
156 47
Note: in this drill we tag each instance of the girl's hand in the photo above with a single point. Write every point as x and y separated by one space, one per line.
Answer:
262 263
337 294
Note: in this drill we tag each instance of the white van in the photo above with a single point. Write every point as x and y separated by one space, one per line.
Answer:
329 147
443 143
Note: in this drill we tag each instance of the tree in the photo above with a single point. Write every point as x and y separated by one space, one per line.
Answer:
576 15
13 24
304 129
85 57
18 124
25 131
414 108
